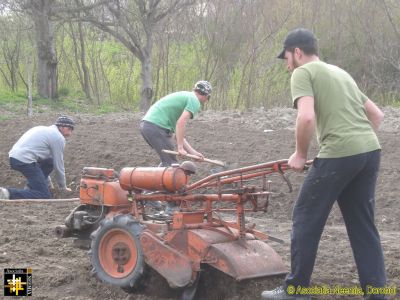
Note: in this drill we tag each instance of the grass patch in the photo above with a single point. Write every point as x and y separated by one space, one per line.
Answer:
396 104
17 103
7 97
4 118
107 108
13 102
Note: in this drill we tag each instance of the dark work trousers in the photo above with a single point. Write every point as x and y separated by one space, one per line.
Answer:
36 174
351 182
159 138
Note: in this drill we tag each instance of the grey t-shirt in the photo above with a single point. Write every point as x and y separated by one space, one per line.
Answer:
40 143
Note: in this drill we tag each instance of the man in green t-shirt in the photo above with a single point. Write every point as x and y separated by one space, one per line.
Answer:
169 116
345 170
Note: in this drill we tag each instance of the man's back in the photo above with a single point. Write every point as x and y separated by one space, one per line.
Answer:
343 128
38 143
166 111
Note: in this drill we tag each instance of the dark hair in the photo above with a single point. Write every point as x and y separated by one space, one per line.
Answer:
307 49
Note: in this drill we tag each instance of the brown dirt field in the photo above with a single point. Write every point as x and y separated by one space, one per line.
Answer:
61 271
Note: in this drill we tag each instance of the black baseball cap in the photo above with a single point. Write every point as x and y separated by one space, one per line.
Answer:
297 38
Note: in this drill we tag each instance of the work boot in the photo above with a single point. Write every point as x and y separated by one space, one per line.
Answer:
4 194
280 294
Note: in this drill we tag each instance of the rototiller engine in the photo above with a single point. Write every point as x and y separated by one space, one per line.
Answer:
114 219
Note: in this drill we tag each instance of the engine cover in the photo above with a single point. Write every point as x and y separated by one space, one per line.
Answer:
101 187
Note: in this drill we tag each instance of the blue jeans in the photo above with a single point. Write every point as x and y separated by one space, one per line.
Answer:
351 182
36 174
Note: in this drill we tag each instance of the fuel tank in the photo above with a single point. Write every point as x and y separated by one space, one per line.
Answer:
169 179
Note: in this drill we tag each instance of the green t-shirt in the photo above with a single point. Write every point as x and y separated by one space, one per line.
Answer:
343 128
166 111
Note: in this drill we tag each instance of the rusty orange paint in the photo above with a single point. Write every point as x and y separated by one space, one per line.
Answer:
197 234
98 192
180 220
173 265
169 179
113 243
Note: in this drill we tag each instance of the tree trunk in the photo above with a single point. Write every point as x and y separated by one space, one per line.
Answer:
80 58
47 61
29 75
85 69
146 94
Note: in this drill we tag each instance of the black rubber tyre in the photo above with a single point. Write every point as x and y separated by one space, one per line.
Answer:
116 253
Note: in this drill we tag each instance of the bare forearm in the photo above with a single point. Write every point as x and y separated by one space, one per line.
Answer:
179 135
188 147
305 125
180 130
374 114
304 134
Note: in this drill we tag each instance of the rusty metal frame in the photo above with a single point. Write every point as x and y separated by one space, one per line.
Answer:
194 236
239 196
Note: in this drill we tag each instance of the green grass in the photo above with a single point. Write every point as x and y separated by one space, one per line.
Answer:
12 101
396 104
389 99
16 103
4 118
107 108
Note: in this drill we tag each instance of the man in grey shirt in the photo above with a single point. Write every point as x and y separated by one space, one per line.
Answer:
35 155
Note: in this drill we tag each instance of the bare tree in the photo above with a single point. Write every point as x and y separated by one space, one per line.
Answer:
78 40
133 23
10 46
232 43
235 35
41 12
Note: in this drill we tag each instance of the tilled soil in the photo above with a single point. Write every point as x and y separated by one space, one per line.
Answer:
61 271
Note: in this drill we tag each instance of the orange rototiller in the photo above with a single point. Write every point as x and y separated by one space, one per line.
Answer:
115 221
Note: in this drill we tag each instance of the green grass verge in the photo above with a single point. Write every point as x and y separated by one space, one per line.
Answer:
16 103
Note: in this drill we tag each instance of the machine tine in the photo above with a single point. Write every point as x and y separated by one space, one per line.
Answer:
275 239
